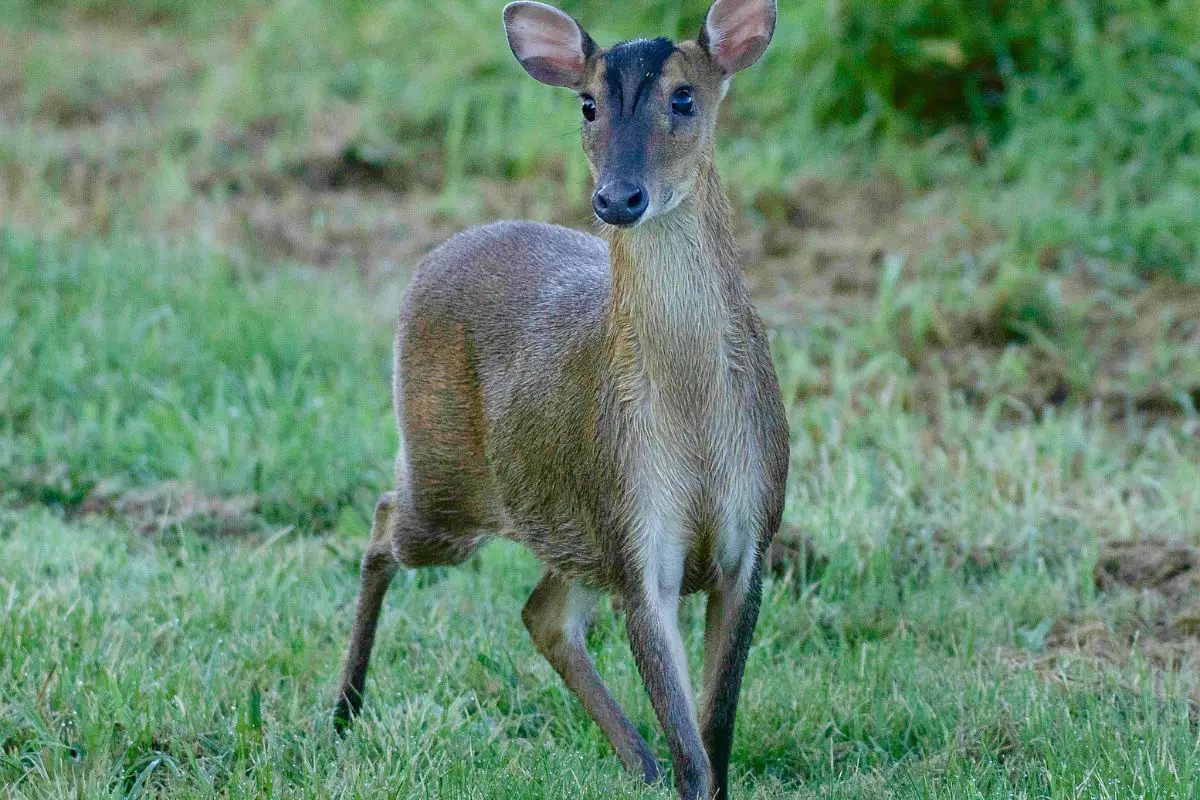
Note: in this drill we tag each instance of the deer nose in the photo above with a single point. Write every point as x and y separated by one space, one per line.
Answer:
620 202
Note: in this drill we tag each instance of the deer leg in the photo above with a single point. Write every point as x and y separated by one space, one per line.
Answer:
731 616
557 616
652 617
375 575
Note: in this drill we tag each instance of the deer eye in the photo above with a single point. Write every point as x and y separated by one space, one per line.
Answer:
589 108
682 102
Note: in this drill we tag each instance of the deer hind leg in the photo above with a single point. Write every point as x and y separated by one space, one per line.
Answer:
557 616
375 575
422 542
399 536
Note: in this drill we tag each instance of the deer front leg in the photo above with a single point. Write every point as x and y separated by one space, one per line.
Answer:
732 614
557 616
652 617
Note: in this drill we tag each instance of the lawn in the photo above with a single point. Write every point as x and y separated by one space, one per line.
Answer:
988 579
934 627
202 668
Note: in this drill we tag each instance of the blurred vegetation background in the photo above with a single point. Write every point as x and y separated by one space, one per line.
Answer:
1071 125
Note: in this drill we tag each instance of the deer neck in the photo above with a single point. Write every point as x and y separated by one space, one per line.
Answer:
675 314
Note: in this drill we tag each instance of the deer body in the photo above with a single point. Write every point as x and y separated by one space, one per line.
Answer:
612 406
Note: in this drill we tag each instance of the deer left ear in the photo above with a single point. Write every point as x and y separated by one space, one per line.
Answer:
549 43
736 32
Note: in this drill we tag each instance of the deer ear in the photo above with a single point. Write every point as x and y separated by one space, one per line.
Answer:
551 46
737 32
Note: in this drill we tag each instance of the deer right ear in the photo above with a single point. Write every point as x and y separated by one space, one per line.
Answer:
550 44
737 32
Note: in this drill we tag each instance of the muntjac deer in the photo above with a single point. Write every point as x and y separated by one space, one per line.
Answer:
608 403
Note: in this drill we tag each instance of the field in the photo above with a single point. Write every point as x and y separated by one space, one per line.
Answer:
974 240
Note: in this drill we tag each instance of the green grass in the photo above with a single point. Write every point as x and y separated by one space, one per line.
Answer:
922 650
123 368
204 668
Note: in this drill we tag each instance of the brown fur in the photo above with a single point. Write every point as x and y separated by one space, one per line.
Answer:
613 407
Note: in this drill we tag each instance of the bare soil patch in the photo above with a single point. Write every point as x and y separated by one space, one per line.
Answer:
824 241
1151 612
169 506
86 76
1172 569
328 206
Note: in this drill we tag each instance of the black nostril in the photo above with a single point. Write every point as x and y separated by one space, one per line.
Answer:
601 202
635 201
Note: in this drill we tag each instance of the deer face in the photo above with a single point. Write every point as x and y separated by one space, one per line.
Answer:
649 106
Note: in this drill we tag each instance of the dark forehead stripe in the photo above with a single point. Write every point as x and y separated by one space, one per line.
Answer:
635 65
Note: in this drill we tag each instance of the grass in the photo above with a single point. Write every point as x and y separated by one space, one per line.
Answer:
203 668
921 648
135 372
973 236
